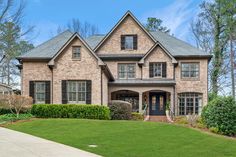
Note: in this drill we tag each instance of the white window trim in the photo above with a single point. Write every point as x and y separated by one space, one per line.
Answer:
77 92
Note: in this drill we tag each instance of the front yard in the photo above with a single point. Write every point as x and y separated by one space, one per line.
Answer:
129 138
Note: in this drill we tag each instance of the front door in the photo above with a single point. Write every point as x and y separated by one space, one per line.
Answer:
157 103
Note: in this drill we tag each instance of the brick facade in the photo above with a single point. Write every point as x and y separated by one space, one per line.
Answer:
87 68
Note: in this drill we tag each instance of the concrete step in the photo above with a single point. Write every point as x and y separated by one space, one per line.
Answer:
158 119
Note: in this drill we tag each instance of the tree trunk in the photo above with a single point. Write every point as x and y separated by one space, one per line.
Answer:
232 66
8 72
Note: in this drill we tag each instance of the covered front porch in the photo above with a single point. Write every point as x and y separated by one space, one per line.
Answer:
146 100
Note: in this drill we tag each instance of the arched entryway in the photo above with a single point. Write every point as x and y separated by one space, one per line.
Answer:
129 96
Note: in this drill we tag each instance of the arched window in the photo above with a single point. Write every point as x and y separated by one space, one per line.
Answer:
189 103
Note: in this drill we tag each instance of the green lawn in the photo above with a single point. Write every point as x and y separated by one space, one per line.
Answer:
130 138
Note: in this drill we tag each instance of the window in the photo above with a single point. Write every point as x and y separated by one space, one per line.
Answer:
76 52
190 70
128 42
157 69
190 103
76 91
40 92
126 71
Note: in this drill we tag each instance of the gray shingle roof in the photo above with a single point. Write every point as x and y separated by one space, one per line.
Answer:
176 46
49 48
94 40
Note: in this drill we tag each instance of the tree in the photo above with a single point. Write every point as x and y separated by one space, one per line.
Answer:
12 43
230 10
85 29
210 33
155 24
15 103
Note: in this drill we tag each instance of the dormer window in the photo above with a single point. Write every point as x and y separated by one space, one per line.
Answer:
76 52
128 42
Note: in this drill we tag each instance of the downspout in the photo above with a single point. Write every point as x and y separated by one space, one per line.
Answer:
101 86
51 69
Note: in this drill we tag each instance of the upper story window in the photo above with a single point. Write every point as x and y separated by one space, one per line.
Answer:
157 69
76 92
76 52
40 92
190 70
126 71
129 42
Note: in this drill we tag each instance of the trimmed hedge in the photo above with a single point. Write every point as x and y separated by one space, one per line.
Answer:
220 115
120 110
70 111
136 116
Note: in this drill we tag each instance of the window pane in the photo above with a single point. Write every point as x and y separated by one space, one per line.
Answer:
129 42
157 69
190 70
76 91
189 103
126 71
40 88
76 52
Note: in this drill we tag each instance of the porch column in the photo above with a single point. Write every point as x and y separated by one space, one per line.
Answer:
140 102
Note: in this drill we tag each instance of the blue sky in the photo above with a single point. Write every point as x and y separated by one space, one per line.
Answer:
47 15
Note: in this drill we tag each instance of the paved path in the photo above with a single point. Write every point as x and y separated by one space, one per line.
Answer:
17 144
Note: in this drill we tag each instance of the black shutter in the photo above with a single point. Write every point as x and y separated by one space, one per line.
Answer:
164 69
122 42
47 92
64 92
135 42
150 70
31 90
88 91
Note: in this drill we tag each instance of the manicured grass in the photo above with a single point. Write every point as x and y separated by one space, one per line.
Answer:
130 138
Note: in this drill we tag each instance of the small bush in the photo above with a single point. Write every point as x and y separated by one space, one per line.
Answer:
120 110
192 119
220 113
136 116
181 120
15 103
70 111
12 117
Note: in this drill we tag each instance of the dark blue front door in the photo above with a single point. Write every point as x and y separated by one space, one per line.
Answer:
157 103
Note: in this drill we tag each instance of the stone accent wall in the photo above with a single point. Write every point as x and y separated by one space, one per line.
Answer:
199 85
158 55
34 71
127 27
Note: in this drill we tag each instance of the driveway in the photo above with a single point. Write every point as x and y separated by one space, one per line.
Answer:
13 143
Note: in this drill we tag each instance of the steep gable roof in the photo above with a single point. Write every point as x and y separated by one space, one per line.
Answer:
153 48
51 62
176 46
49 48
128 13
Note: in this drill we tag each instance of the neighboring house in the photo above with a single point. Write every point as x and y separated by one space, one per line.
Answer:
5 89
129 63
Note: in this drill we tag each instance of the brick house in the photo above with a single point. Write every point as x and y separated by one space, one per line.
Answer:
129 63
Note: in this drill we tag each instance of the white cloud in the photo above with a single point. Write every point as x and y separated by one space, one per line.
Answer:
176 16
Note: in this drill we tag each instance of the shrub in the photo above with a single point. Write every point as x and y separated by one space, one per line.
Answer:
120 110
13 117
70 111
136 116
192 119
15 103
181 120
220 114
